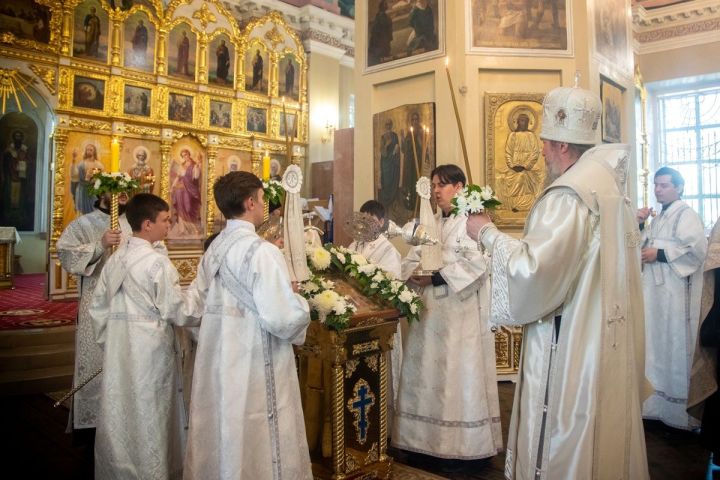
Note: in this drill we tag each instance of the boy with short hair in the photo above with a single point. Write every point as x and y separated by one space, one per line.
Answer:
141 424
246 420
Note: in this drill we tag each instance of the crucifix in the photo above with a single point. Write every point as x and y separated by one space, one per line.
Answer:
360 405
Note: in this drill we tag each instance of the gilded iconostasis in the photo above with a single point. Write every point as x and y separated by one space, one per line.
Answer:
186 92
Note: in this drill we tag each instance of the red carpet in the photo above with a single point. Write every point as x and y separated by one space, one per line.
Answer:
26 307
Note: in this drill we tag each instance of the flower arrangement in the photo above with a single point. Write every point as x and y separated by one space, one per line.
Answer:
474 199
117 182
327 306
274 192
372 280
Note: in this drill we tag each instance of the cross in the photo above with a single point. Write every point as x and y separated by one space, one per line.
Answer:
360 406
613 321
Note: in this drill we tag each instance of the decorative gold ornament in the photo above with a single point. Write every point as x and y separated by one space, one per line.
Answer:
92 125
144 131
46 76
205 16
12 84
274 36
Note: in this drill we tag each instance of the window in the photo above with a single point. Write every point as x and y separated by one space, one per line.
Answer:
689 130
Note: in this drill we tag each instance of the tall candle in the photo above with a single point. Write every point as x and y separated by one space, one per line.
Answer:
115 155
457 119
266 167
287 132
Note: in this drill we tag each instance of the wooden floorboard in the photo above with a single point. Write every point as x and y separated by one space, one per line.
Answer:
37 445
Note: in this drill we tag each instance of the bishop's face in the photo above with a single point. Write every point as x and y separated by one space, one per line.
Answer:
444 193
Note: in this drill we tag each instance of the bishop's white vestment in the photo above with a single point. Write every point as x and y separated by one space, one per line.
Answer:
142 421
81 253
447 402
246 420
383 253
573 282
672 292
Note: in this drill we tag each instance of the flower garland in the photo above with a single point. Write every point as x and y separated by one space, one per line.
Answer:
372 280
274 192
117 182
474 199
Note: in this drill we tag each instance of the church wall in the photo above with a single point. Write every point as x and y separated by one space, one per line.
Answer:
347 88
473 76
680 62
324 97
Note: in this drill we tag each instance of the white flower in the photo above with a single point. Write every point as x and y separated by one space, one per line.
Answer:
309 287
395 286
475 203
126 176
340 257
378 277
358 259
486 193
406 296
325 301
327 284
340 307
320 258
367 269
122 183
97 183
413 308
374 285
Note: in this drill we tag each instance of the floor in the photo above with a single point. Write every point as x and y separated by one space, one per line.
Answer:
37 445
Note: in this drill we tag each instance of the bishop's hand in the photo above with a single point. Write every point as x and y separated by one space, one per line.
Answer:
111 238
475 222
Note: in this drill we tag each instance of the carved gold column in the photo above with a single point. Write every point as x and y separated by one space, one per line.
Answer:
274 75
161 59
115 41
60 137
256 157
165 169
202 59
66 30
645 171
212 157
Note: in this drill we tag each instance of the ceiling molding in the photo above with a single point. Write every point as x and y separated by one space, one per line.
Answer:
675 26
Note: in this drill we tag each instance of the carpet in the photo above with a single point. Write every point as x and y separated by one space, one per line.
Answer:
26 307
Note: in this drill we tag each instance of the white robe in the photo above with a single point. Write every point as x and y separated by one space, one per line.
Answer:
672 306
447 402
81 253
142 420
246 420
576 412
384 254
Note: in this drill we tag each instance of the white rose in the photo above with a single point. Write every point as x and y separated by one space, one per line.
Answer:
406 296
96 185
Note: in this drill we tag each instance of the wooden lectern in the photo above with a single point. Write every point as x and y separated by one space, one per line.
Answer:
344 383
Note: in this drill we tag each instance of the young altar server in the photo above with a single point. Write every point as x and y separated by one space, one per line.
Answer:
246 420
141 423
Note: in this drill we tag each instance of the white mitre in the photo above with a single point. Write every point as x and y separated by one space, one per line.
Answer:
571 115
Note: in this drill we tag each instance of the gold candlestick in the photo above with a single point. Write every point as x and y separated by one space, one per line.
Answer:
417 171
459 124
115 214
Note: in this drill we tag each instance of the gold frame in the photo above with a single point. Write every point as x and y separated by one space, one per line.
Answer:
56 24
493 103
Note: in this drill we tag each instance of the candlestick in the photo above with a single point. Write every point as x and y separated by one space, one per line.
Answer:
417 165
266 167
115 155
459 124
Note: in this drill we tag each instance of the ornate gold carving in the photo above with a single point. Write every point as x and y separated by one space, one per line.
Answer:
239 143
12 84
61 138
274 36
350 367
114 100
360 348
212 156
165 169
186 267
337 422
93 125
384 378
145 131
205 16
115 46
201 110
372 362
46 76
64 89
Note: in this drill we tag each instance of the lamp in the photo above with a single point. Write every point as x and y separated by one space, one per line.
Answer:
329 130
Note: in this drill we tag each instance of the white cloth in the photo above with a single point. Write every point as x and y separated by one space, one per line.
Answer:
246 420
383 253
447 402
81 253
672 306
576 412
142 420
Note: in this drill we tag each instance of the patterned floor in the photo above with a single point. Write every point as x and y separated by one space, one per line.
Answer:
25 306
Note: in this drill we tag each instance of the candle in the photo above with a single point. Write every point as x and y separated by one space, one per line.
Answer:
287 132
266 167
417 165
115 155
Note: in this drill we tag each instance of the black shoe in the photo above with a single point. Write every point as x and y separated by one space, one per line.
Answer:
451 466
